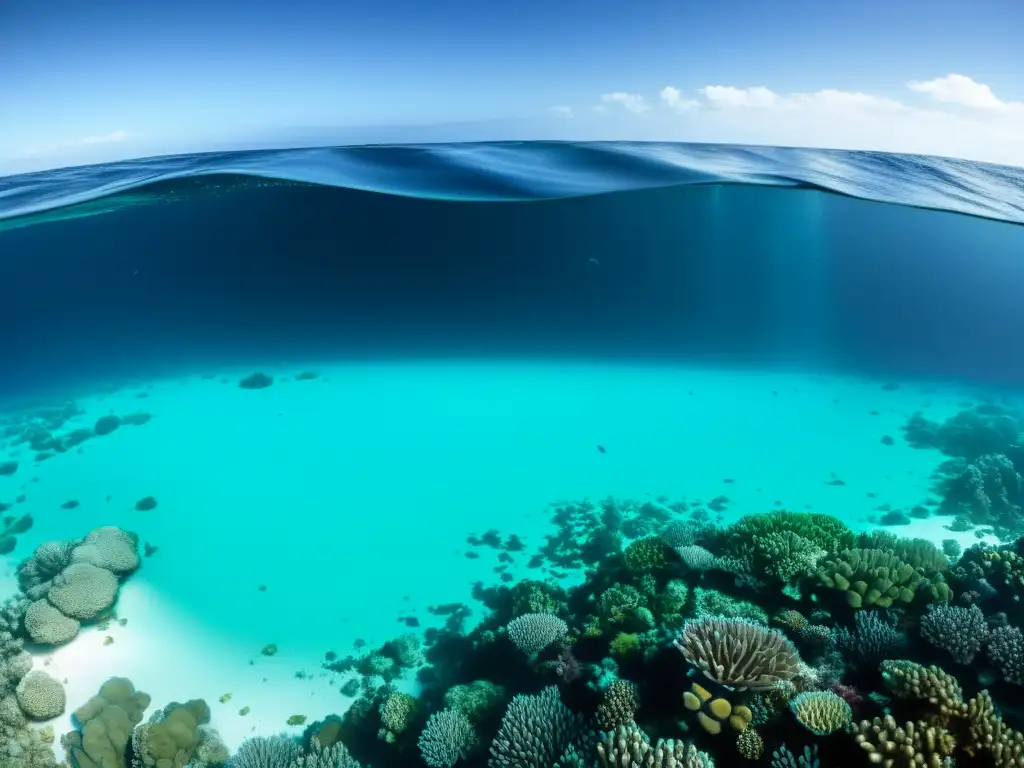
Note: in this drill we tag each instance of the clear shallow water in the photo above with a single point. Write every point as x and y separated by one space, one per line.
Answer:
742 347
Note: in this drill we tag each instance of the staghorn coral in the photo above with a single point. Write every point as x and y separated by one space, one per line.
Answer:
894 746
711 602
784 758
822 531
874 638
618 707
629 747
821 712
959 631
475 700
738 654
783 556
535 731
447 737
533 632
697 558
335 755
870 577
1006 651
266 752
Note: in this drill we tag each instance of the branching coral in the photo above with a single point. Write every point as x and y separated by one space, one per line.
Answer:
894 746
535 731
533 632
960 631
821 712
739 654
647 554
874 638
822 531
447 738
629 747
618 707
1006 651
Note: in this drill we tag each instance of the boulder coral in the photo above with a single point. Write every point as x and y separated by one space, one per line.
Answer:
105 723
70 582
40 696
172 737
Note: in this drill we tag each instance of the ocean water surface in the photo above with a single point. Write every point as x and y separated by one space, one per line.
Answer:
362 405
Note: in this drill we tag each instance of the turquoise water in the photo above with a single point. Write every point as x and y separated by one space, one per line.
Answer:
442 368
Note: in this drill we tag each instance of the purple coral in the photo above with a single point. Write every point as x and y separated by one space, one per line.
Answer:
1006 651
960 631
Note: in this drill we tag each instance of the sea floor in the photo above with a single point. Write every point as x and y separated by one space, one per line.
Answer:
315 513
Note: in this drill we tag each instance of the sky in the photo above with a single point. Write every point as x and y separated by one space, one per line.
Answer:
84 82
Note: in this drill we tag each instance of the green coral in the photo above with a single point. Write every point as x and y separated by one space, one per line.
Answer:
475 700
783 555
921 554
673 598
619 602
646 555
396 711
821 712
625 644
711 602
823 531
531 596
870 577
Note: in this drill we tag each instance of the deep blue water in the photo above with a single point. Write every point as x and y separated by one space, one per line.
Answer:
866 262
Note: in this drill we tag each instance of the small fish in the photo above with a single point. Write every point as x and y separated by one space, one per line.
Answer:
601 449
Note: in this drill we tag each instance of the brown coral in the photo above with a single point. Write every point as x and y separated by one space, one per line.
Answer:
107 720
911 745
739 654
619 705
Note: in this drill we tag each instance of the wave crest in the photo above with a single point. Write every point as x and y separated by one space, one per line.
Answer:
516 171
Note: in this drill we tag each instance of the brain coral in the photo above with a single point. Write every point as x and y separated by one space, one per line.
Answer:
46 625
40 696
73 581
83 590
109 548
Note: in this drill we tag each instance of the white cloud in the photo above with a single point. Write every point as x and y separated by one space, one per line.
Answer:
106 138
960 89
561 111
728 96
673 98
632 102
961 118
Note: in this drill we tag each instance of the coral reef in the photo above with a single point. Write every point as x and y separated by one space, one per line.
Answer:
70 582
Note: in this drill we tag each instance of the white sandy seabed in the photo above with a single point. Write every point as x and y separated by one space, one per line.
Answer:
349 498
